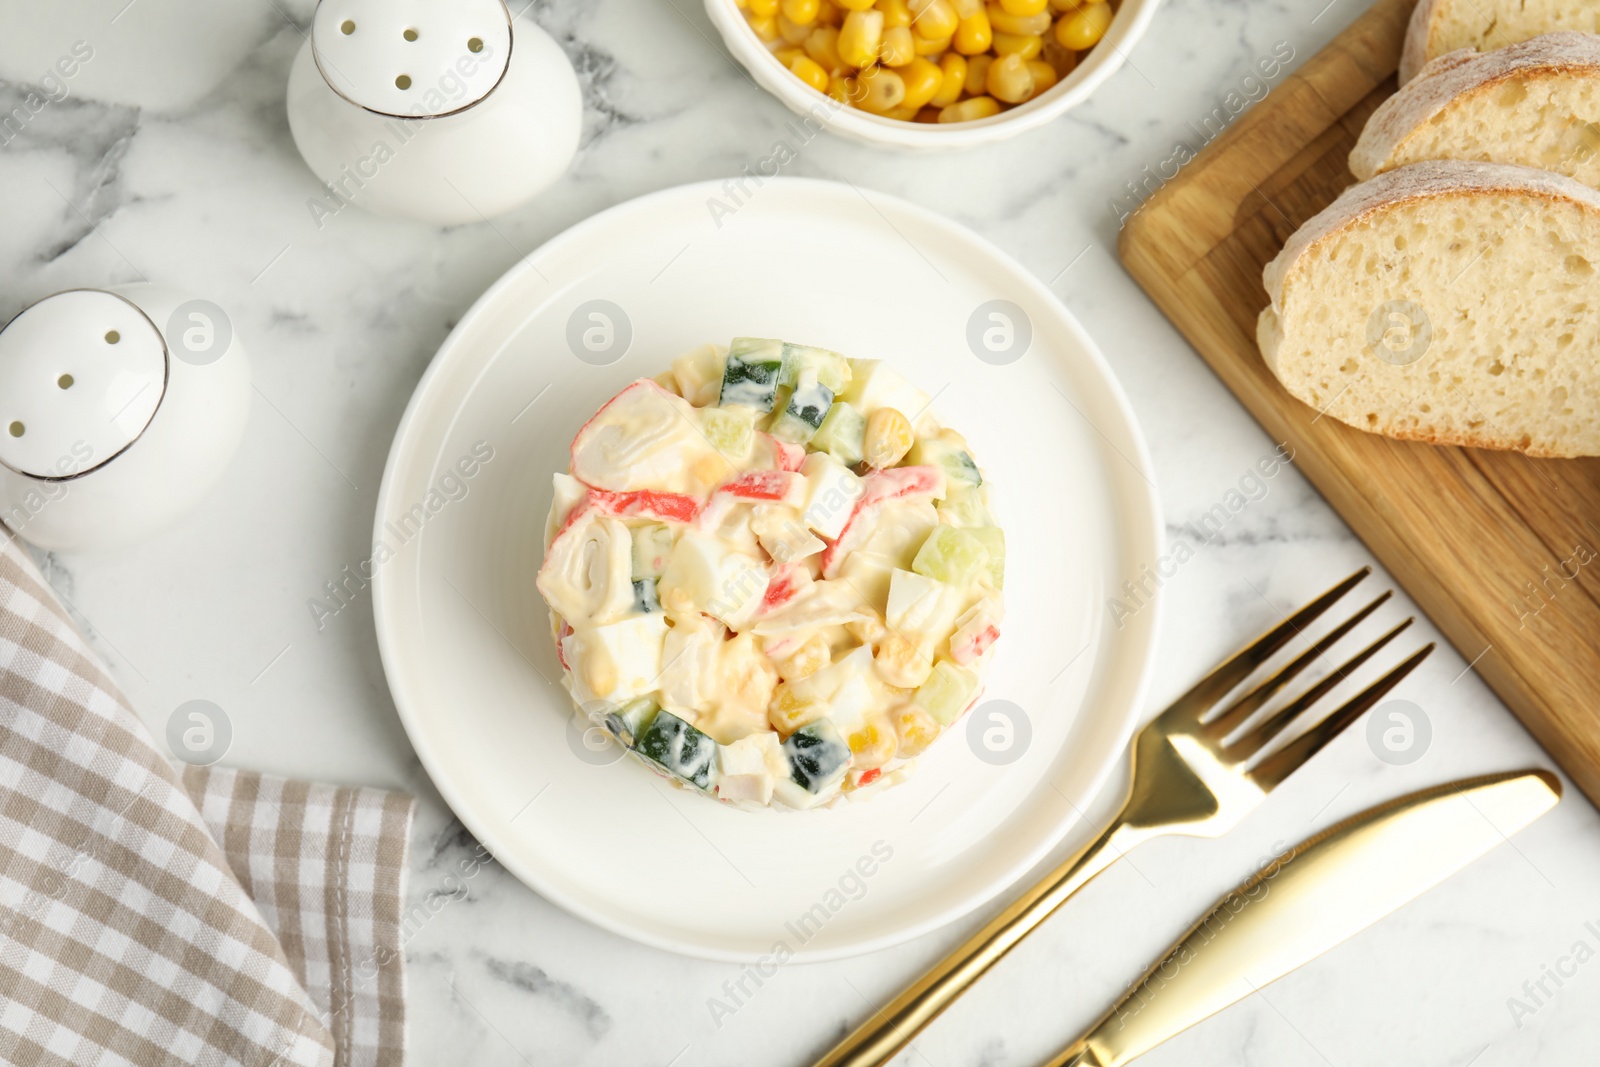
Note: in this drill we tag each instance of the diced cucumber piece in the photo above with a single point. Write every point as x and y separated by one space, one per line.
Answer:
731 431
950 555
652 545
807 407
629 722
832 369
751 376
644 596
994 539
818 756
947 692
959 468
965 508
684 751
842 434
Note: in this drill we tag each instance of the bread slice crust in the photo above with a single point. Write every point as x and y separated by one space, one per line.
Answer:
1463 86
1441 26
1350 382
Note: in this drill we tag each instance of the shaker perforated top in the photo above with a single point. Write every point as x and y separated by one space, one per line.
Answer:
415 58
81 375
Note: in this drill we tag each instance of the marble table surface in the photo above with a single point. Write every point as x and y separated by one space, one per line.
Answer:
199 184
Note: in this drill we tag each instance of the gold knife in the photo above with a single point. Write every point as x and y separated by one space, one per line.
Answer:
1323 891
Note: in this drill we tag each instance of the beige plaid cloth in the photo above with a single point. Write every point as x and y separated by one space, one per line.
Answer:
217 917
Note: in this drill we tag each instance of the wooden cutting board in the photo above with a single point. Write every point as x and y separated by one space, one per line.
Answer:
1502 551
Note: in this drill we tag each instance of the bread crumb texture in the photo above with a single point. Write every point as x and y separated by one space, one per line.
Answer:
1447 302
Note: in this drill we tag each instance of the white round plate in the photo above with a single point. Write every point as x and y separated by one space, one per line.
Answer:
466 639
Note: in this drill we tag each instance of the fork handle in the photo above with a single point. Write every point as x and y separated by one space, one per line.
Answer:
888 1031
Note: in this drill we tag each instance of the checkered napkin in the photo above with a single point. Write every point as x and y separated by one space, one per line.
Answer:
148 917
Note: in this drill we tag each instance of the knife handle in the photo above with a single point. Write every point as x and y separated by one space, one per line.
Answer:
876 1041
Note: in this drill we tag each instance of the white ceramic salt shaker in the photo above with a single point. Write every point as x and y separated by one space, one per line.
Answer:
443 111
119 409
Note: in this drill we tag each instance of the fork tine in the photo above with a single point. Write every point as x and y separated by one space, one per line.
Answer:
1273 770
1262 735
1257 698
1236 668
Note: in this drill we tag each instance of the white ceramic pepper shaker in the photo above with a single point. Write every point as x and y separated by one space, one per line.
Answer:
443 111
119 409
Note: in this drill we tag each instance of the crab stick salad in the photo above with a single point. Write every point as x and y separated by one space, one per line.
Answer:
772 575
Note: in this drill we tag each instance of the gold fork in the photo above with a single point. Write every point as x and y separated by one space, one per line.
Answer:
1188 778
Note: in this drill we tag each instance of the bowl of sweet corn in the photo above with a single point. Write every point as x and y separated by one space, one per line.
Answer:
930 73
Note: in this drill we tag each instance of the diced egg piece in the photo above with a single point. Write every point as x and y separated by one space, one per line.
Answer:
921 606
875 385
705 574
781 533
617 661
750 767
689 664
698 374
832 490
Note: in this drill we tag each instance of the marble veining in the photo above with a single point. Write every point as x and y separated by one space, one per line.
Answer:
341 319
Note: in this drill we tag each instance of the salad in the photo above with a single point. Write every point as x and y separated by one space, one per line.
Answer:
772 575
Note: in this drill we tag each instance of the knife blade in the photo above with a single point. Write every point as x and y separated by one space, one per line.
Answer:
1319 893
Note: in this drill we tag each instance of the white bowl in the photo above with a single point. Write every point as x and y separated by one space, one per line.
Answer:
1133 18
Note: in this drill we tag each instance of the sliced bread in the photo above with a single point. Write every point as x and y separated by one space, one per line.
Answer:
1440 26
1449 302
1536 103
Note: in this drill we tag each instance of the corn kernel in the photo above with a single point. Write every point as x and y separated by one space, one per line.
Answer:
1044 76
882 90
792 31
788 712
898 48
803 12
978 107
860 38
933 19
841 89
1024 7
854 5
916 728
1004 22
977 74
823 47
873 745
766 28
934 48
928 114
895 13
1083 29
810 71
901 663
1065 6
866 630
1007 44
954 69
764 9
973 35
965 9
829 14
922 79
806 660
1010 80
888 436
